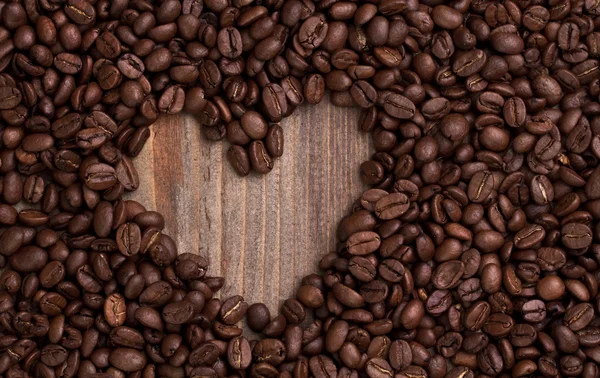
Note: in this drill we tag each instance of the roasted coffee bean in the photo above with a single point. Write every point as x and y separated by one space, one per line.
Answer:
239 353
270 351
229 41
578 316
363 94
254 125
275 102
399 106
114 310
178 312
238 157
233 310
81 12
259 157
576 235
313 32
470 62
127 359
314 88
392 206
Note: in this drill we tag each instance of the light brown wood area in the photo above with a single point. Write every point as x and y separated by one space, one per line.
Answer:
263 233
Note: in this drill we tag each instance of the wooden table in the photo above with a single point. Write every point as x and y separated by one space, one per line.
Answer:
264 233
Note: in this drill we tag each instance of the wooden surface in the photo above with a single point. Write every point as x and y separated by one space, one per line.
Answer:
262 232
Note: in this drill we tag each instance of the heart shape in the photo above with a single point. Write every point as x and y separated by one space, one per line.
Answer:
254 226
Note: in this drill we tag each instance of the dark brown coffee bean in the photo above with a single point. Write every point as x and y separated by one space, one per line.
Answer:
313 32
9 97
310 296
127 359
314 88
254 125
172 100
238 158
131 66
229 42
259 157
481 186
275 102
363 94
156 294
233 310
129 239
271 351
258 316
392 206
576 235
578 316
469 63
178 312
239 353
534 309
498 325
399 106
81 12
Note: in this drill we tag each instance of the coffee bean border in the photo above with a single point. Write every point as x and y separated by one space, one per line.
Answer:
473 255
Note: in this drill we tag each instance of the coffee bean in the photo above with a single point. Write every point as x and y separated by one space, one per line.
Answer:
399 106
470 62
447 274
156 294
275 102
578 316
576 235
258 316
529 236
114 310
498 325
129 239
127 359
490 360
270 351
159 60
313 32
310 296
230 42
238 157
446 17
314 88
259 157
363 93
178 312
28 259
377 367
81 12
233 310
53 355
9 98
254 125
239 353
172 100
131 66
392 206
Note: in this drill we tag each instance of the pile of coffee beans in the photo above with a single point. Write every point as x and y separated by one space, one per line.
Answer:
473 254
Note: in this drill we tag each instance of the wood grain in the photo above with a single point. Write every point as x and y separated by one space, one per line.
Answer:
262 232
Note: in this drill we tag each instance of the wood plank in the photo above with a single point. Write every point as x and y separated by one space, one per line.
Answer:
262 232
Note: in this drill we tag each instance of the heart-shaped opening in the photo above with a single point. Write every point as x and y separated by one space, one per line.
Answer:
261 232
